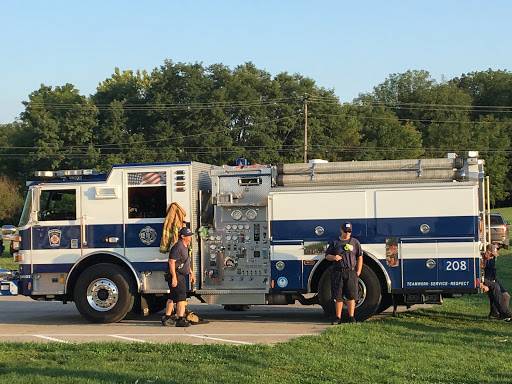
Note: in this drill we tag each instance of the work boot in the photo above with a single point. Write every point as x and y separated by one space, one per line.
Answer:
506 299
494 315
336 321
352 320
167 321
181 322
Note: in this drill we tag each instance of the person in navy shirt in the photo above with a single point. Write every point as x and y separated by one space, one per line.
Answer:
179 267
499 298
347 256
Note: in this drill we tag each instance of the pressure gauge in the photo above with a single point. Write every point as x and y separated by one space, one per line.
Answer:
234 237
212 238
228 237
234 226
218 238
236 214
247 226
251 214
212 246
228 227
230 263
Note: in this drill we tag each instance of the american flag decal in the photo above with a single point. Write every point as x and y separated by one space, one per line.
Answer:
145 178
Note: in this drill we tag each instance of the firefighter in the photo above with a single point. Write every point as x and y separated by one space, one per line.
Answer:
179 266
499 298
347 256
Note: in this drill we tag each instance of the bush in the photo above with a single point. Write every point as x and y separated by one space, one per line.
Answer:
11 203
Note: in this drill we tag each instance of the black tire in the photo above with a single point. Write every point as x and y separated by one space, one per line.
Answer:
156 303
237 307
104 293
385 303
370 294
324 294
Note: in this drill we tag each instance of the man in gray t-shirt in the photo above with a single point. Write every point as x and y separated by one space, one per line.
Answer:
347 257
179 266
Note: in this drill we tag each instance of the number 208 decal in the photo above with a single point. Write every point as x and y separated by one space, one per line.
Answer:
456 265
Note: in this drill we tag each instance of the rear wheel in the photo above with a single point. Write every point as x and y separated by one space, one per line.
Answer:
369 294
104 293
237 307
156 303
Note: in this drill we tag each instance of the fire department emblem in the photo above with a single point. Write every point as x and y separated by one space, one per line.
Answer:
54 237
147 235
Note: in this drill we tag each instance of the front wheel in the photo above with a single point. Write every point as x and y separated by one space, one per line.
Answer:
369 294
104 293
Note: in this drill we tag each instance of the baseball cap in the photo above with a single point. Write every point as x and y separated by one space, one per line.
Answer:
493 249
185 232
346 227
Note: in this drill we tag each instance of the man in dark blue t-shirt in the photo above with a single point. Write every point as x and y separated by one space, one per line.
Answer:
498 296
179 267
347 256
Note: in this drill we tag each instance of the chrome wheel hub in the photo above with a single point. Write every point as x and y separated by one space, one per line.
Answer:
102 294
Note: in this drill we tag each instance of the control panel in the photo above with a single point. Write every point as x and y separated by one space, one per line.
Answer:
236 248
237 253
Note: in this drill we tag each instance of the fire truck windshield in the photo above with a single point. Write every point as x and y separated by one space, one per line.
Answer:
25 216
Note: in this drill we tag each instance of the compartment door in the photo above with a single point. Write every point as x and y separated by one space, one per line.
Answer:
420 263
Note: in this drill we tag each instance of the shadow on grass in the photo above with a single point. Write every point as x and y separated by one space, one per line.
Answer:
469 328
54 374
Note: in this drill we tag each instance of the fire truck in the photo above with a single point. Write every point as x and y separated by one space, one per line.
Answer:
261 233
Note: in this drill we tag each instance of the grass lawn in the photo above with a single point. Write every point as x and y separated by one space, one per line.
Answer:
6 259
505 212
451 343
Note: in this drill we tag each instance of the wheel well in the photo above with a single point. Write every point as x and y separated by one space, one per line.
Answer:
93 260
319 271
370 262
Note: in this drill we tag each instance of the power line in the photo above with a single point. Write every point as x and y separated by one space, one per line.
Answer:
406 120
191 151
163 139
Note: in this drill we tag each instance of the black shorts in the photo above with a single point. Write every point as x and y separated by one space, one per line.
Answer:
179 292
344 283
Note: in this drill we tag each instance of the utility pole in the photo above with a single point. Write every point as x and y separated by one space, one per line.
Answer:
305 129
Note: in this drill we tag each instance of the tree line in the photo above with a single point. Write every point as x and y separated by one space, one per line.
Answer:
215 114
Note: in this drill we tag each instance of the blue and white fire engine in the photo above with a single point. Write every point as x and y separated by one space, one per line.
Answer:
262 231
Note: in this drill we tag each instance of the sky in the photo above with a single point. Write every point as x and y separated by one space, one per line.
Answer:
347 46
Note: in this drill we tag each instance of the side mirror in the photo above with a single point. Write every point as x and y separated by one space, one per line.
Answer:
8 229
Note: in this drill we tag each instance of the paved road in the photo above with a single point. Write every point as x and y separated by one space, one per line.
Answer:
23 319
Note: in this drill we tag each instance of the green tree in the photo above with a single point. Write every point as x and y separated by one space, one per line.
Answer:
384 137
129 89
401 91
11 149
11 203
187 122
446 122
491 134
61 122
490 90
